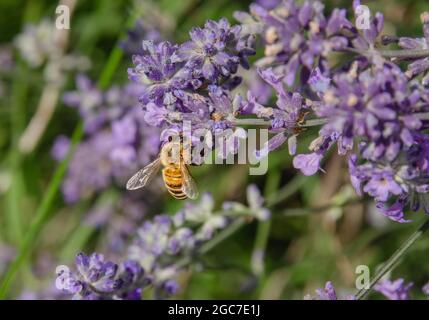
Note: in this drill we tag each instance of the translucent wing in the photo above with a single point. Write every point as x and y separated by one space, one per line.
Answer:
141 178
189 187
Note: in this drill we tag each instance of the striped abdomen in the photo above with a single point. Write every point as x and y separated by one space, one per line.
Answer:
173 180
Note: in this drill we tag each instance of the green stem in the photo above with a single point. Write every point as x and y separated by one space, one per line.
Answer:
209 245
308 123
15 193
262 122
394 259
112 64
402 54
299 212
410 54
314 122
222 236
288 190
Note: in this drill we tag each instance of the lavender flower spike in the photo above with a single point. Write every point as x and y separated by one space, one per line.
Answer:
327 293
394 290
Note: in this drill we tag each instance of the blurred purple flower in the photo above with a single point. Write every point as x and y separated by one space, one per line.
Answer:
60 148
327 293
7 254
426 289
395 211
309 164
256 201
394 290
115 146
298 36
6 60
87 98
378 107
152 256
420 65
142 30
290 110
90 168
268 4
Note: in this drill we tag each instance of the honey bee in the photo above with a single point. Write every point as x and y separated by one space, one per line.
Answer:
175 173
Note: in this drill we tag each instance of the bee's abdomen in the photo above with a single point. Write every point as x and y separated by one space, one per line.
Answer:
173 181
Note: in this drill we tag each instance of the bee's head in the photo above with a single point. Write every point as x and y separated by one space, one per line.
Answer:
171 153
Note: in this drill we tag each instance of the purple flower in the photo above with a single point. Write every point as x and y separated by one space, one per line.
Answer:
271 145
112 150
289 104
170 287
421 65
309 164
6 60
60 148
395 211
382 185
182 239
153 255
327 293
152 241
258 88
215 50
318 82
192 82
94 274
87 98
164 76
256 201
377 106
268 4
7 254
298 36
142 30
97 272
96 278
354 110
354 174
90 168
203 214
394 290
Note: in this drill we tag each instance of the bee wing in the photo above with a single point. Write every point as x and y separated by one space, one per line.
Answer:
141 178
189 187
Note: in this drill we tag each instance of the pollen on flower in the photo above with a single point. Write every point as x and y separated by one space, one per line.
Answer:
352 100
